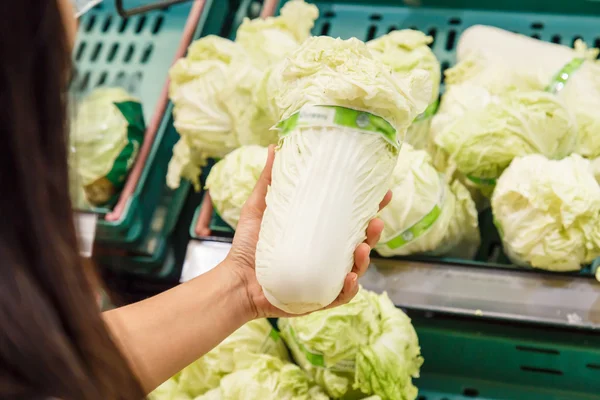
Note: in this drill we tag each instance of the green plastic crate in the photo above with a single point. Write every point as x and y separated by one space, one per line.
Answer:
466 359
136 54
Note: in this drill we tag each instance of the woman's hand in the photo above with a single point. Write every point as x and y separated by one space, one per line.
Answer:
241 258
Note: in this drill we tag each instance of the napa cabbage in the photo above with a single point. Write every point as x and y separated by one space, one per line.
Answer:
367 347
483 142
427 214
254 338
404 51
264 377
547 212
342 115
232 179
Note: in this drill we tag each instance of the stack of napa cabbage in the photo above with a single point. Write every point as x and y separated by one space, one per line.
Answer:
512 106
366 347
254 341
516 96
212 89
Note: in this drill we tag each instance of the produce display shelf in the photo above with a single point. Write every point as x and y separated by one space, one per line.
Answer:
136 54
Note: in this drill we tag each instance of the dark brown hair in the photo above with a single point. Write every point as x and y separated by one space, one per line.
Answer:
53 342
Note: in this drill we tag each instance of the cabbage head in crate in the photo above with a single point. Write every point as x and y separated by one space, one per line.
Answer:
482 143
271 39
254 338
211 89
106 135
426 214
404 51
472 85
232 180
365 347
548 212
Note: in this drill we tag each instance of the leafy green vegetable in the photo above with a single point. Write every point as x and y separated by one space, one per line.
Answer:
405 51
169 390
106 135
256 337
271 39
185 163
426 214
548 212
366 346
212 89
265 377
578 88
596 168
482 143
232 180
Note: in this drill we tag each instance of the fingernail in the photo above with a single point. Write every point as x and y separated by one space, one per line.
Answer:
354 278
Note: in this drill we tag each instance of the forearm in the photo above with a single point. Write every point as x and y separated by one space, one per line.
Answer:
163 334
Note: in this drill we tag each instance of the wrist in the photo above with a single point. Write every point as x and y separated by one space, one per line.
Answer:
236 289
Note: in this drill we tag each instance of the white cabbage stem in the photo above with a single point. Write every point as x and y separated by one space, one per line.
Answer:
327 184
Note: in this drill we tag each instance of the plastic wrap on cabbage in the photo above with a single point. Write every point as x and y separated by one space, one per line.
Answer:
482 143
106 136
404 51
367 346
547 212
256 337
426 214
271 39
265 377
232 180
580 91
342 115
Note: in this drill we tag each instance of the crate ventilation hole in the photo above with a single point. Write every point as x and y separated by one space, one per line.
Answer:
378 26
154 22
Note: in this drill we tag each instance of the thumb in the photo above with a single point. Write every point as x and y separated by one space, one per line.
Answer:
256 203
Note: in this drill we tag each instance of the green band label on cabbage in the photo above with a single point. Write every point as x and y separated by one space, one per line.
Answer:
133 113
422 225
317 359
336 116
268 346
560 79
416 230
429 112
